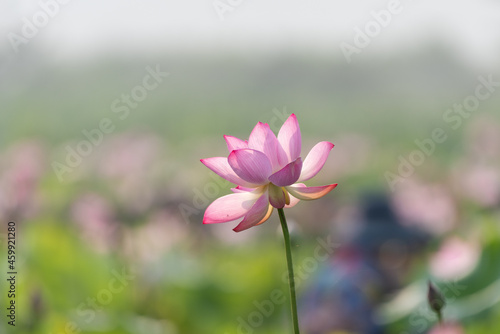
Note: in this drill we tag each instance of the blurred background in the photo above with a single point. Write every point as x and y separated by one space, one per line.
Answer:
107 107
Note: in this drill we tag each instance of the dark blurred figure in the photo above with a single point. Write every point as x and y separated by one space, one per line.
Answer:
346 290
37 312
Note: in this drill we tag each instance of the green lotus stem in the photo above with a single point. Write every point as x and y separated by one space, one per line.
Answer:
291 277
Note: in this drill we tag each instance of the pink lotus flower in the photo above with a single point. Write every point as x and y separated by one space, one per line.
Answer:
265 170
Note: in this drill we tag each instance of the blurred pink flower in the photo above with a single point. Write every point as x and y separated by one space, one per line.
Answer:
353 154
479 183
455 259
95 218
428 206
21 168
149 242
448 328
130 163
265 169
484 139
126 156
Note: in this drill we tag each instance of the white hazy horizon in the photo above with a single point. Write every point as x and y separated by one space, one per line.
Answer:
88 28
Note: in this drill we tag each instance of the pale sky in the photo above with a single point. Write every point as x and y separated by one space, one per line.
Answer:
84 28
